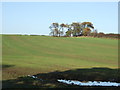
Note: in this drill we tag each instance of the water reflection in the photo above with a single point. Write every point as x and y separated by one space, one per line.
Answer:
89 83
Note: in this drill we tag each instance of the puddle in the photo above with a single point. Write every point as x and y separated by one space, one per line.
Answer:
89 83
32 76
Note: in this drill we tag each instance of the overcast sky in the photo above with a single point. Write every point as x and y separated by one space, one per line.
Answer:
36 17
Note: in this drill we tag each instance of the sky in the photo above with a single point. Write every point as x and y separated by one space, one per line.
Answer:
36 17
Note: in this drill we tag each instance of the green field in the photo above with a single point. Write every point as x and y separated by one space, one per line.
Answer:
23 55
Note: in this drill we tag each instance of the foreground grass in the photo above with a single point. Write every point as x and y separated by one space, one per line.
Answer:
49 80
23 55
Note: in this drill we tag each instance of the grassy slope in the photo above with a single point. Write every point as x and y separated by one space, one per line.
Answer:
37 54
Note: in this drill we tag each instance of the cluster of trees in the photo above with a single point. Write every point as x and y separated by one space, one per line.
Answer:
78 29
74 29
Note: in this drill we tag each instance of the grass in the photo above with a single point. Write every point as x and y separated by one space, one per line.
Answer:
49 80
23 55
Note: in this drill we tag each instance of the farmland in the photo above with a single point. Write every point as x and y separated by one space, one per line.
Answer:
28 55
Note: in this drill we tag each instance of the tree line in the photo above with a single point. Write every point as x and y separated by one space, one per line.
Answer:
78 29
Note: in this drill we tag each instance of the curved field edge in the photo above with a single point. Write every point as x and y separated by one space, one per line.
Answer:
40 54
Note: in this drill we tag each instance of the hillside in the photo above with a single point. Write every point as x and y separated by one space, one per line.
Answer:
23 55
